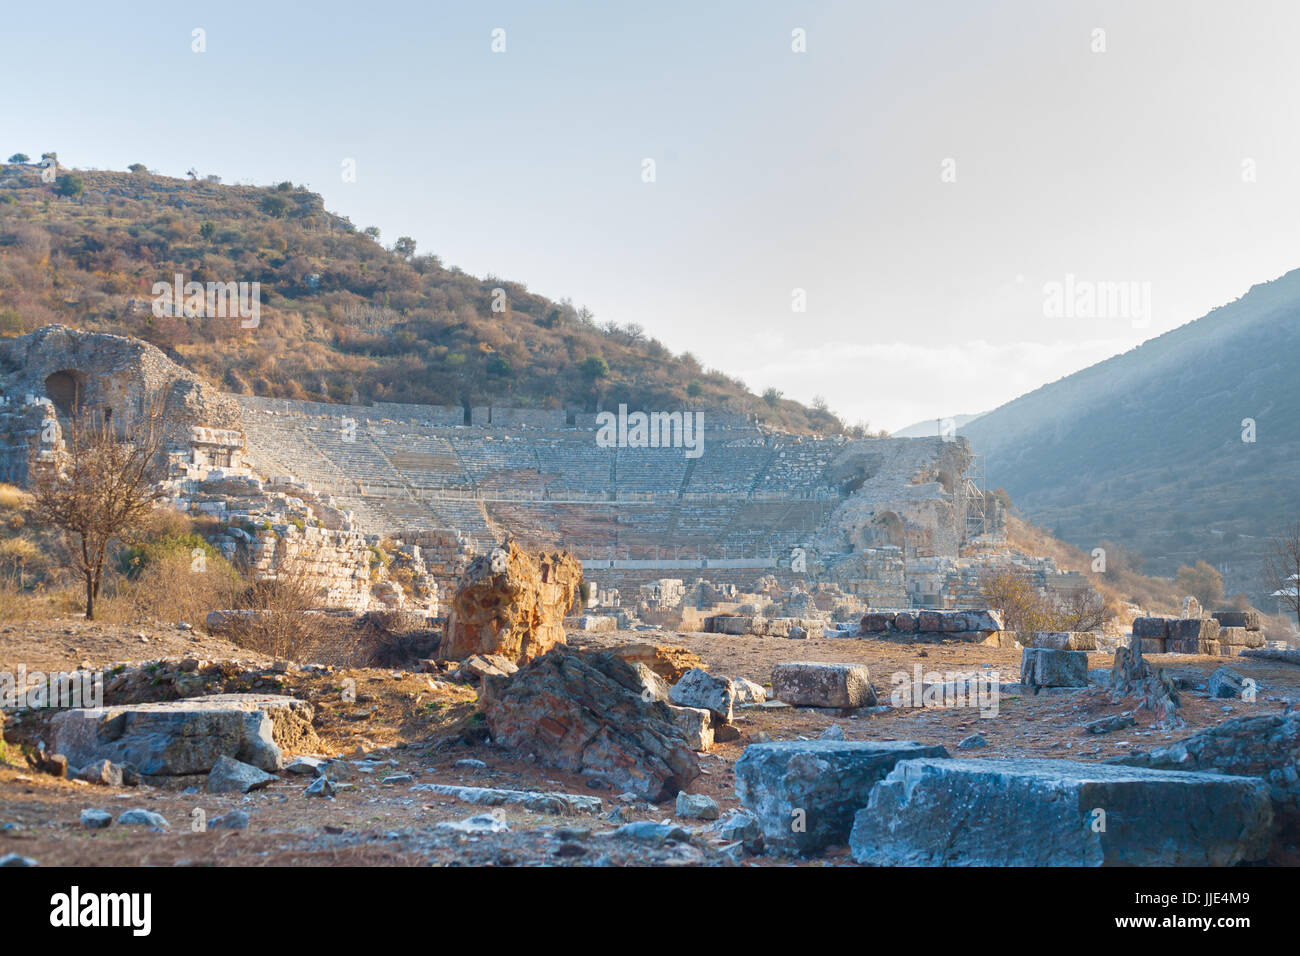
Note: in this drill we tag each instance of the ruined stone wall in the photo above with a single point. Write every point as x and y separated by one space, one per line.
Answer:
65 370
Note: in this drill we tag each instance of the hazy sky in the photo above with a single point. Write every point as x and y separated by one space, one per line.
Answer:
774 170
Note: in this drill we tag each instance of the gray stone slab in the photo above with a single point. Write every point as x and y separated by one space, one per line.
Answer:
173 737
804 793
1059 813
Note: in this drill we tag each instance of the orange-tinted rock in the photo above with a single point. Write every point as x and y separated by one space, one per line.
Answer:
512 603
588 714
666 660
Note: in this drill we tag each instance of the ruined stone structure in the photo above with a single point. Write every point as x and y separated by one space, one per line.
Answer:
54 372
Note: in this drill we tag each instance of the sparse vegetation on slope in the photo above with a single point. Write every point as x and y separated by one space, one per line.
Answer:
343 319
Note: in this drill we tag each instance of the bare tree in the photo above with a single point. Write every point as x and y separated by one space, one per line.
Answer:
102 486
1282 568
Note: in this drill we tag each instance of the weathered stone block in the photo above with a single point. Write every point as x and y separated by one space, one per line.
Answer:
1241 637
1045 813
804 793
1152 645
905 622
699 688
811 684
1249 620
1066 640
1266 747
1193 629
696 725
179 736
1044 667
1210 648
929 622
877 621
1151 627
581 714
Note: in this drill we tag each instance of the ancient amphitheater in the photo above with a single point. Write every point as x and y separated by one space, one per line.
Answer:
754 502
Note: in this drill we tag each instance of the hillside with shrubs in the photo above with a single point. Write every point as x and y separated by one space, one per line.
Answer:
344 317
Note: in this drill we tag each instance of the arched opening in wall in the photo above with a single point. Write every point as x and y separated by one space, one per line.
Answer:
64 389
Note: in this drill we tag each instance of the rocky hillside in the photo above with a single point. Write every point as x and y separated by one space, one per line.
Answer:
343 318
1153 448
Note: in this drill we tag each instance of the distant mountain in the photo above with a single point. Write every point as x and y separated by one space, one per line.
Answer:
1146 448
930 427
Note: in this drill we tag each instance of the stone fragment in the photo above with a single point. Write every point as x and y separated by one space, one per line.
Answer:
696 806
647 831
1045 813
1226 684
1043 667
973 742
96 819
231 776
478 666
699 688
747 692
321 787
103 773
479 823
306 766
142 818
1106 725
741 826
804 792
230 820
814 684
696 725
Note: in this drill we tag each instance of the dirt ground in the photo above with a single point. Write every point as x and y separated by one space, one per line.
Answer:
403 722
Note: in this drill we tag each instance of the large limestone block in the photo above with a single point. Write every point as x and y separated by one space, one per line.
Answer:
1243 619
1267 747
1240 637
513 603
1153 628
813 684
181 736
1024 812
804 793
1044 667
587 714
876 621
1190 630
